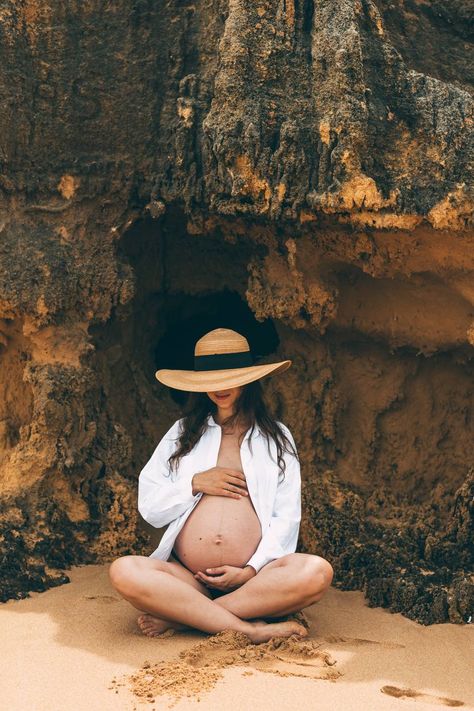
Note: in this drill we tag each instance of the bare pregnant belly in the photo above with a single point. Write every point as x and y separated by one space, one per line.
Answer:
220 531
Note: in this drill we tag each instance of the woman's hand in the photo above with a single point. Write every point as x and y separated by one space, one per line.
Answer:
220 481
225 577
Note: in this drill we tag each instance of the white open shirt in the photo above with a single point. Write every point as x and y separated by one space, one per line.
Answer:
166 497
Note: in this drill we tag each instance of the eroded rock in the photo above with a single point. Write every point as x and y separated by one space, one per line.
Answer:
302 171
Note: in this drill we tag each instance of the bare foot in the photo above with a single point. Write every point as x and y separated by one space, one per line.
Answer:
262 631
153 626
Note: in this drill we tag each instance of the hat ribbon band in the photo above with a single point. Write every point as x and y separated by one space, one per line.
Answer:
222 361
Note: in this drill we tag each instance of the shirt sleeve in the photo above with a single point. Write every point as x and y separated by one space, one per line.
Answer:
281 536
160 498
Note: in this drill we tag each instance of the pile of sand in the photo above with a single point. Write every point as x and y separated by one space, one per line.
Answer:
198 669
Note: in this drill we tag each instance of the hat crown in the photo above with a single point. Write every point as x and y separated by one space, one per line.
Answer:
221 340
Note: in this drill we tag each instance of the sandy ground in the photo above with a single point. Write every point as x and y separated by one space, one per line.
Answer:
75 648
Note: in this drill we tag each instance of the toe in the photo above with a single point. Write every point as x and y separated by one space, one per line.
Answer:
148 630
144 626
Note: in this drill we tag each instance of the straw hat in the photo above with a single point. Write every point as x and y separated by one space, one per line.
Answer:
222 359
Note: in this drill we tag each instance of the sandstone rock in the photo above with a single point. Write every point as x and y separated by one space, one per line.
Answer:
301 171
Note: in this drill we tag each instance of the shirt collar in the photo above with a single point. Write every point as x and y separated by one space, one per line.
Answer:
212 423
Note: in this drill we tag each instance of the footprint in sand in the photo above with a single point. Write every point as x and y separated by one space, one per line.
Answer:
420 696
334 639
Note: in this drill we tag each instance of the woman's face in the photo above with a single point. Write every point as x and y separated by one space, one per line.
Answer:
225 399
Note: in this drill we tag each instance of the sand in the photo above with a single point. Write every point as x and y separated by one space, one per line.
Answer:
77 648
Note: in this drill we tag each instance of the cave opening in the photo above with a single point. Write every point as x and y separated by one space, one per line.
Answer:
183 286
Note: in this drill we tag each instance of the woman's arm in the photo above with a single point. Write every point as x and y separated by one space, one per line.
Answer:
281 536
160 499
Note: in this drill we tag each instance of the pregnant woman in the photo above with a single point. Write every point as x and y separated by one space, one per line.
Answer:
225 478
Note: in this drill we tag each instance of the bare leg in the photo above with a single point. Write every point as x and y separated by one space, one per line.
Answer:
153 626
281 587
165 596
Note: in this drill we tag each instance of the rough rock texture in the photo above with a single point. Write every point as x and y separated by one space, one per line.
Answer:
298 170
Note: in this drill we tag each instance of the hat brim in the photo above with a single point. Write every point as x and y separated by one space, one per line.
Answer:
202 381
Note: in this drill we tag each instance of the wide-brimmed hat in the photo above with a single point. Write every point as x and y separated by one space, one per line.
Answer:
222 359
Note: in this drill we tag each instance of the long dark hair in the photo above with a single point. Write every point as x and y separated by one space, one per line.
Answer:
250 407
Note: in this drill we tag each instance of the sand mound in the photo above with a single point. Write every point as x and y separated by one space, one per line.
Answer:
198 669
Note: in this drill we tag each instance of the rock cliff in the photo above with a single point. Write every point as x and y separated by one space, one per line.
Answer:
299 170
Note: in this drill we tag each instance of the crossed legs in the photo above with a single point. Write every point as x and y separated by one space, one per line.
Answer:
173 598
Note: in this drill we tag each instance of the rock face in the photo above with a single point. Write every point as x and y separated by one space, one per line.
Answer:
300 171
